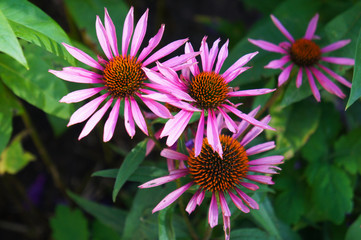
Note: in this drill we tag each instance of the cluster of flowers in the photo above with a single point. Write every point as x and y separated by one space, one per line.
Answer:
216 163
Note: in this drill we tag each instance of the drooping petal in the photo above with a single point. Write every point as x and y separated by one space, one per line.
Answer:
250 186
224 205
127 31
163 180
231 76
247 199
171 197
212 132
335 76
335 46
103 38
238 202
192 203
213 54
227 227
255 131
252 92
267 46
194 68
261 179
80 95
222 55
313 86
157 108
277 159
111 122
200 197
90 124
75 77
138 116
299 78
327 83
231 125
263 147
282 28
264 169
128 118
153 42
82 72
87 110
175 127
244 124
139 33
285 74
311 29
339 60
83 57
239 63
278 63
111 32
213 212
198 141
171 154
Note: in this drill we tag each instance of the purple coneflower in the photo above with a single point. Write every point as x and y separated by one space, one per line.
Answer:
205 91
219 176
121 77
306 54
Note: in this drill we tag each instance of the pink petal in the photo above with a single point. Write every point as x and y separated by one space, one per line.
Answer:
198 141
163 180
224 206
171 47
250 186
89 126
299 78
103 38
282 28
138 116
153 42
212 133
170 75
83 57
111 122
171 154
260 179
171 197
149 147
231 125
277 159
267 46
127 31
285 74
213 54
278 63
238 202
311 28
239 63
213 212
263 147
244 124
252 92
247 199
157 108
335 76
285 45
175 127
227 227
255 131
335 46
192 203
339 60
194 68
181 62
112 35
313 86
82 72
264 169
80 95
200 197
222 55
128 118
139 33
75 77
327 83
204 54
87 110
231 76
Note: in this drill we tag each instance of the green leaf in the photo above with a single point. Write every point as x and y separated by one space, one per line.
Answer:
103 232
331 191
33 25
109 216
294 94
354 231
130 164
251 234
356 80
69 224
36 85
8 42
165 226
348 151
13 158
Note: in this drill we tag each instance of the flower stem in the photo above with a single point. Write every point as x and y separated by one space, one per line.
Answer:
270 101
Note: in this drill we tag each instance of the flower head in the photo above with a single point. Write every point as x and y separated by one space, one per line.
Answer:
307 55
206 91
229 174
121 76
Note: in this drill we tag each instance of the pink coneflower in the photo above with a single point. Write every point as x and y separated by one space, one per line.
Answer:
121 76
205 91
306 54
229 174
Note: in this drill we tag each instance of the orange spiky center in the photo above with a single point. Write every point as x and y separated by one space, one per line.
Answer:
213 173
305 52
208 89
123 76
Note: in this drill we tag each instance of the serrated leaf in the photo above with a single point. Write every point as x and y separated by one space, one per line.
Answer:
129 165
354 231
9 44
36 85
33 25
110 216
331 191
69 224
165 226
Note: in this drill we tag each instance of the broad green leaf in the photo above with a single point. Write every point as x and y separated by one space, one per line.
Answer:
69 224
33 25
14 158
109 216
129 165
165 226
36 85
103 232
84 13
356 80
331 190
354 231
348 151
293 94
8 41
251 234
